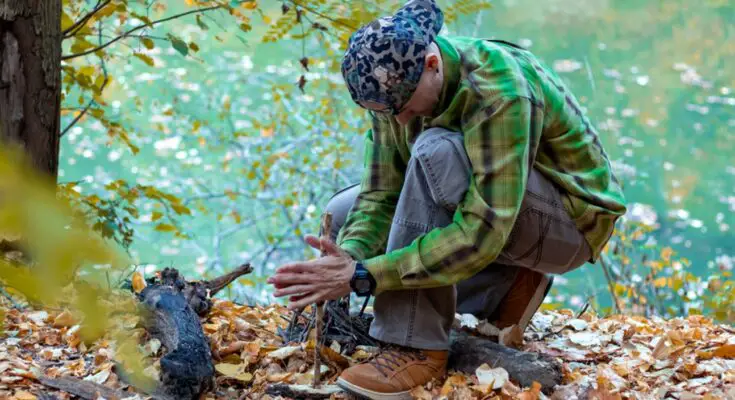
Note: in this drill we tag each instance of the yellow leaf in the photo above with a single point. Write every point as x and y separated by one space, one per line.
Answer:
234 371
196 125
146 59
66 21
165 228
246 282
180 209
138 282
726 351
250 5
148 43
65 319
86 70
155 216
266 132
23 395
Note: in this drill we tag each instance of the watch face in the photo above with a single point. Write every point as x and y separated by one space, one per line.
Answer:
362 285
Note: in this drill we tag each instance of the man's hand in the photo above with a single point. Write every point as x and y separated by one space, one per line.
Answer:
307 282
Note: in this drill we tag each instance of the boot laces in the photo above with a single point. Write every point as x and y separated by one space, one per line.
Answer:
391 358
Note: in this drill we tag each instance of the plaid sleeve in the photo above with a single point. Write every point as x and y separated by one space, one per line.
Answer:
500 139
365 232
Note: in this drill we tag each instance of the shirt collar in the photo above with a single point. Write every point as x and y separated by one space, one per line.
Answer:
450 64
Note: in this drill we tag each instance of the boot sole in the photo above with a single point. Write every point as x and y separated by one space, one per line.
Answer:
369 394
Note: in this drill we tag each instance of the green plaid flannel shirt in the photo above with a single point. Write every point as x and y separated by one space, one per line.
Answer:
515 113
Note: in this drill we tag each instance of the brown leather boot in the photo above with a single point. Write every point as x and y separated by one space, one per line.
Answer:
523 300
393 372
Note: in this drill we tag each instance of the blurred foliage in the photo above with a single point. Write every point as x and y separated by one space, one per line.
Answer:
648 279
59 262
226 128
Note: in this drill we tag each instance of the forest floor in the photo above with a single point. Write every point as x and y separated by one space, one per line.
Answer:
604 358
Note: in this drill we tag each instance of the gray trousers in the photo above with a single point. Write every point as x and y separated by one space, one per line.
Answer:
543 239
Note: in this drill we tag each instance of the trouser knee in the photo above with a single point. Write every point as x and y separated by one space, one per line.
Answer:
439 157
339 206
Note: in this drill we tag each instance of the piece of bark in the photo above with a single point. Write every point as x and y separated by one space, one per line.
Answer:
85 389
302 391
469 352
187 370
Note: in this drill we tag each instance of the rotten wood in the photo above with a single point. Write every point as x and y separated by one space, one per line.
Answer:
173 307
302 391
84 389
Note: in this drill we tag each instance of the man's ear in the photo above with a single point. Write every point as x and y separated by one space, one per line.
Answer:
432 62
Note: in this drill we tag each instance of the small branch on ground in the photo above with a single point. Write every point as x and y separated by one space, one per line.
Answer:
84 389
326 234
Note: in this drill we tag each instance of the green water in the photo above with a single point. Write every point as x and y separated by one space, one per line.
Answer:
652 75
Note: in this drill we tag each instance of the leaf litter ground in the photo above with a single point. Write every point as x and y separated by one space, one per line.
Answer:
604 358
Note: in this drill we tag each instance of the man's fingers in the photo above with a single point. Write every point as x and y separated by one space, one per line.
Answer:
294 290
296 267
305 300
326 245
284 279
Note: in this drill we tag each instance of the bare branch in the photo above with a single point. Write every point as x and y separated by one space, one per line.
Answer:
77 118
317 13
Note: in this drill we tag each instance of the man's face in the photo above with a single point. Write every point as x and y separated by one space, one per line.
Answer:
425 97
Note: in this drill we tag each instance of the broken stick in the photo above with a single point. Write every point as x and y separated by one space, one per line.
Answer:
326 234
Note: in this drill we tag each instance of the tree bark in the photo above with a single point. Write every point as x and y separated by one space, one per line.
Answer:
30 79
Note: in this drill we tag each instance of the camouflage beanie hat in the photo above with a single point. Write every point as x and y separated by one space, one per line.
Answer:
385 58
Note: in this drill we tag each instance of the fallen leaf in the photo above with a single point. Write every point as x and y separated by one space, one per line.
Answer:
420 393
100 377
511 336
726 351
235 371
578 324
64 320
138 282
284 352
23 395
451 382
494 377
585 339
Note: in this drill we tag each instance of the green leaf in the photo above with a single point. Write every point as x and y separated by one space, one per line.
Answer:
201 23
179 45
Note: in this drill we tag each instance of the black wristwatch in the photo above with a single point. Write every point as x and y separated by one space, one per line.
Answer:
362 282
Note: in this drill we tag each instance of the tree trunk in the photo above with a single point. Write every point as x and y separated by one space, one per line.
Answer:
30 76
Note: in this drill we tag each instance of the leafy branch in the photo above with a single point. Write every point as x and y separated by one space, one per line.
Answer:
139 27
72 30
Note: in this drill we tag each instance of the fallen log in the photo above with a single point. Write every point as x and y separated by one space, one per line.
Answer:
83 389
173 307
469 352
302 391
